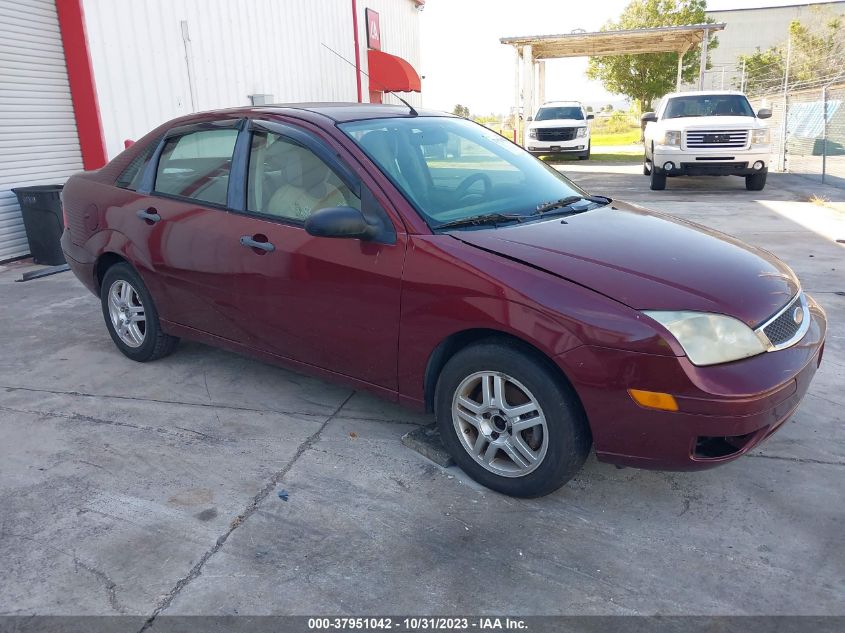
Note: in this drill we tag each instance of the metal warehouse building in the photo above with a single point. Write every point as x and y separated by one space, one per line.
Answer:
80 77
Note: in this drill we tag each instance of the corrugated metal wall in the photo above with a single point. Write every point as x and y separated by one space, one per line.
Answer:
237 48
400 35
38 140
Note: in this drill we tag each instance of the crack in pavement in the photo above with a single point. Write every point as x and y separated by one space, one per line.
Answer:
797 460
110 585
77 417
211 405
239 520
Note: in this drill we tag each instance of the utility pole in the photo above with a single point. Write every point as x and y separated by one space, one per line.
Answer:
782 157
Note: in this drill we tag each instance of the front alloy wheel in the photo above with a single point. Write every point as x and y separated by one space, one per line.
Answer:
509 419
500 424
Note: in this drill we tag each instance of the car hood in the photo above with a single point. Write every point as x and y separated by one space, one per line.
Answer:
711 122
648 261
558 123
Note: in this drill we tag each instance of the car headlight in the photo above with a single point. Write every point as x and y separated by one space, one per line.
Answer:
670 137
761 136
532 133
582 132
708 339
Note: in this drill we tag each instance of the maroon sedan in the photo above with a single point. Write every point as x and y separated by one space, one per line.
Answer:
429 260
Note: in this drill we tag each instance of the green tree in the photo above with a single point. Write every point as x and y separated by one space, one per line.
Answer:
763 71
817 55
648 76
461 110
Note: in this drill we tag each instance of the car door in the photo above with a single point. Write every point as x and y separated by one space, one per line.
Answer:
331 303
184 220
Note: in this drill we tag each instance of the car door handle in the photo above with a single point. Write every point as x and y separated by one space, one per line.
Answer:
148 215
249 242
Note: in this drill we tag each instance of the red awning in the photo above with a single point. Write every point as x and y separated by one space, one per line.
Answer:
389 72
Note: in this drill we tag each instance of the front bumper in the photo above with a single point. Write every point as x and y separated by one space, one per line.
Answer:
726 162
724 410
576 145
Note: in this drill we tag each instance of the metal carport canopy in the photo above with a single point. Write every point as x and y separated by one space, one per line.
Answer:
663 39
531 49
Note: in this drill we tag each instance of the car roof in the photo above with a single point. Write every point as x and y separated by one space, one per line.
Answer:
696 93
337 111
561 103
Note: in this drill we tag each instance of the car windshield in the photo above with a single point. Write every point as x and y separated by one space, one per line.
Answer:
452 169
708 105
571 112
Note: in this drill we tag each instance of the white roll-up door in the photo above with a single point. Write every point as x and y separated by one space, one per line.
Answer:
39 144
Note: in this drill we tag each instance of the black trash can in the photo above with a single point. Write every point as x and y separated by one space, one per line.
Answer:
41 208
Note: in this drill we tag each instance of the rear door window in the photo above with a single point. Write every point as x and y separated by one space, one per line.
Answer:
197 165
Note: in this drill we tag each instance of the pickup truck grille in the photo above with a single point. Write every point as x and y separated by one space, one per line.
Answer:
556 133
717 138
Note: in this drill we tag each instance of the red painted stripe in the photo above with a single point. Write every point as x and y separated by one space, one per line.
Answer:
83 91
357 50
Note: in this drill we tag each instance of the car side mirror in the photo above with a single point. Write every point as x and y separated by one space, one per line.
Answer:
531 118
341 222
590 117
764 113
648 117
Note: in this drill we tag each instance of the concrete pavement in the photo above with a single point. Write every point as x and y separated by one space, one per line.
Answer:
146 489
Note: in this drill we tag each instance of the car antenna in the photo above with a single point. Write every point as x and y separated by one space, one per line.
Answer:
411 109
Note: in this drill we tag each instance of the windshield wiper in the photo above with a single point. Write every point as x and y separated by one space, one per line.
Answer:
568 202
486 218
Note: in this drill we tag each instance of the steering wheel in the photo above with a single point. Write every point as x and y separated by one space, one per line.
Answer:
469 181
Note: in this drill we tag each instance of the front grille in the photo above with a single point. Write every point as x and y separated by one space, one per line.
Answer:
556 133
717 138
784 327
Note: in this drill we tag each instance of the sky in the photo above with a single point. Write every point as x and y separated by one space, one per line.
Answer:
463 61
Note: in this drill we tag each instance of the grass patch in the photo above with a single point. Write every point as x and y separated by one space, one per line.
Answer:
617 138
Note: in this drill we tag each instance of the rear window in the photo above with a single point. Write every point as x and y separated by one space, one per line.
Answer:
130 178
197 165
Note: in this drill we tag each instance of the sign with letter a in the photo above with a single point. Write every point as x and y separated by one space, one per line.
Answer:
373 30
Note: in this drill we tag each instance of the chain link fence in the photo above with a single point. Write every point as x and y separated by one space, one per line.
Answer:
808 132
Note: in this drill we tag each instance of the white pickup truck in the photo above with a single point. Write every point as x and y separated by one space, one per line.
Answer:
714 133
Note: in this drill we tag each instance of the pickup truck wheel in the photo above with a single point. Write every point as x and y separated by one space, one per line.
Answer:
509 421
646 166
658 178
756 182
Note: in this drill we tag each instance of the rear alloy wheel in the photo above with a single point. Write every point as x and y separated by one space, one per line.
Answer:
756 182
131 317
658 178
509 422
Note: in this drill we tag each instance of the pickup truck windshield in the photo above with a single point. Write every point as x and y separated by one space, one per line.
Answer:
451 169
547 114
708 105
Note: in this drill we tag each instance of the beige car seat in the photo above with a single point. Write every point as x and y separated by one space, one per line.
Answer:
305 187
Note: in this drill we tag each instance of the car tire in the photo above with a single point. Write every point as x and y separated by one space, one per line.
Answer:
756 182
658 178
124 297
646 166
556 433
